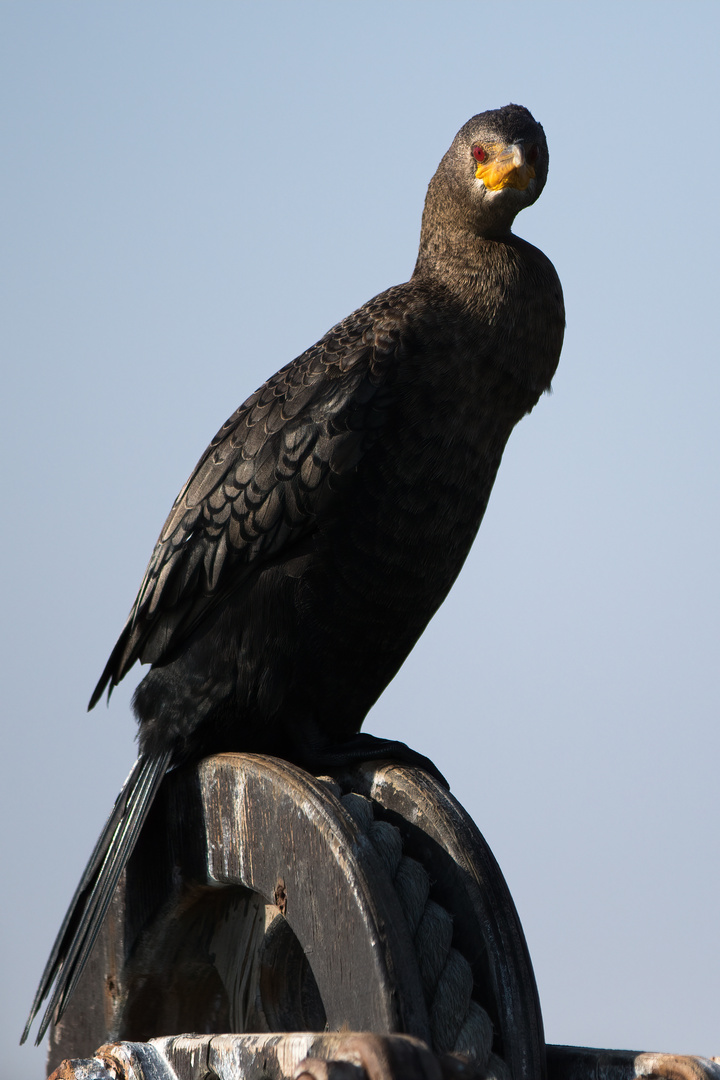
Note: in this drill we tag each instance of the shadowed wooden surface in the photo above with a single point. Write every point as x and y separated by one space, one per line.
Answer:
253 902
469 882
234 846
351 1056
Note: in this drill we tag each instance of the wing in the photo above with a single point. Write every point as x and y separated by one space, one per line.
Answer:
267 477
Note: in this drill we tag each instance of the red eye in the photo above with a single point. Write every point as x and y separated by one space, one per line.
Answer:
532 154
479 153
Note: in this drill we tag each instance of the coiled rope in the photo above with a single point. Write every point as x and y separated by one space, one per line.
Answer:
458 1024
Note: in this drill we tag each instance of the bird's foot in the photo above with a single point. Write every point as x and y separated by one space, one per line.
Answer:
364 747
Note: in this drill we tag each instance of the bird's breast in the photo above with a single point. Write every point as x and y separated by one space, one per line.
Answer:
481 361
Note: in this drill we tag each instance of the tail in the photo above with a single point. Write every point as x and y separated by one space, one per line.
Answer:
92 897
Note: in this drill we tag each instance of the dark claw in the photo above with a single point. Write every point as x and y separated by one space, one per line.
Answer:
364 747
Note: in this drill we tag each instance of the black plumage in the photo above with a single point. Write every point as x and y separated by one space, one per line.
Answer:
329 517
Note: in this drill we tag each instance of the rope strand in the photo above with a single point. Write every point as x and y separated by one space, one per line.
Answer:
458 1024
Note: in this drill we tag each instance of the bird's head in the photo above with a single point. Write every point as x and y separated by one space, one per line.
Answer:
497 165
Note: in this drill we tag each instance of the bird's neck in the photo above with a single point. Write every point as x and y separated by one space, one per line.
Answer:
458 258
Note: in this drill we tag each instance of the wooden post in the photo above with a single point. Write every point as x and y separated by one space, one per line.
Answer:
254 903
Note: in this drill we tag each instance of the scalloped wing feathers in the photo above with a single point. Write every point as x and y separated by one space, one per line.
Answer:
267 476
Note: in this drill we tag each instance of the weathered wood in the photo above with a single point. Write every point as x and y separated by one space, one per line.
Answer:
469 883
348 1056
253 902
90 1020
226 840
356 1056
587 1063
272 828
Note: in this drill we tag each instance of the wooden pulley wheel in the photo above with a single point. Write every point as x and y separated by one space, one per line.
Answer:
468 882
255 902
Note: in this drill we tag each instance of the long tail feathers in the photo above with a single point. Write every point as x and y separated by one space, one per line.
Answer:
92 897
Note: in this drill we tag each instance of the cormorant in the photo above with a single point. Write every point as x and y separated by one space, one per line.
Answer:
330 515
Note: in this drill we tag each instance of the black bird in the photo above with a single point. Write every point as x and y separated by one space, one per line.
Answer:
330 515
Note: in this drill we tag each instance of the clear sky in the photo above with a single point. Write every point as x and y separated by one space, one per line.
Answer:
191 195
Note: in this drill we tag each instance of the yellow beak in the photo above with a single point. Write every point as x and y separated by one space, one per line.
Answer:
505 167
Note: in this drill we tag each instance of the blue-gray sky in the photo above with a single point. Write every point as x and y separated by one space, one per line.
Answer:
191 195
